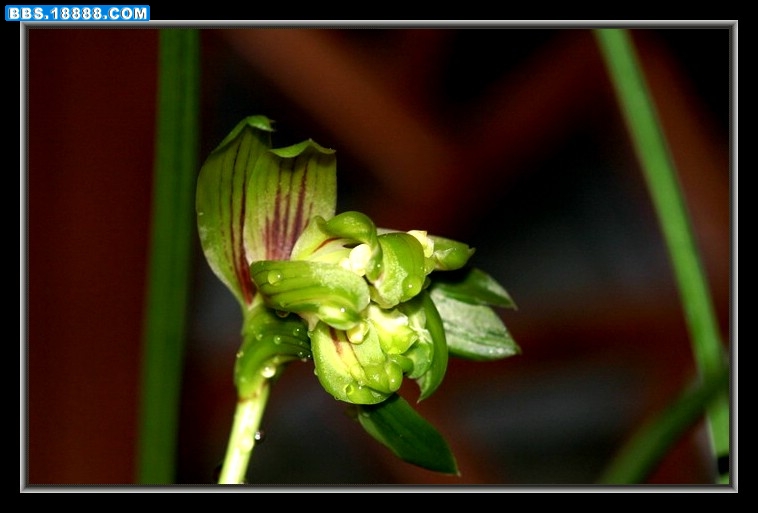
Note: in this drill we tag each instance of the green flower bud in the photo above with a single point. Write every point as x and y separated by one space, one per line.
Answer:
359 260
368 362
353 225
420 356
315 244
449 254
403 269
348 239
359 227
393 329
355 373
428 246
357 299
429 353
314 290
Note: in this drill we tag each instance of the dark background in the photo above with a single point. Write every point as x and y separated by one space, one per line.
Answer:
507 138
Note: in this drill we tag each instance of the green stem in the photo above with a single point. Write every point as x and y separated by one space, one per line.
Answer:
170 253
269 343
245 429
650 146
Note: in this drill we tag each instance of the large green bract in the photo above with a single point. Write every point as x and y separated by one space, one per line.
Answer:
252 202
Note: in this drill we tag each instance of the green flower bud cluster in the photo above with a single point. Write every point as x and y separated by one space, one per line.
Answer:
363 294
366 304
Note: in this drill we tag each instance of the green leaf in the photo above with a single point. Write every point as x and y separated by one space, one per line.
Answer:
177 129
472 285
473 331
640 454
396 425
657 163
464 300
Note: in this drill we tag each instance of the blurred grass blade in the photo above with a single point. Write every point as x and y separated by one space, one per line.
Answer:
643 452
173 220
650 145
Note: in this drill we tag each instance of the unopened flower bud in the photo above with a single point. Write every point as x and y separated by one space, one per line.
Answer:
449 254
314 290
403 269
355 373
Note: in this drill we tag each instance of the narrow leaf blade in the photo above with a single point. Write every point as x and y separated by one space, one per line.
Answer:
396 425
170 253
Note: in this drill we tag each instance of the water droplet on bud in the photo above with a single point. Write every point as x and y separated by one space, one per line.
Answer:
274 277
412 285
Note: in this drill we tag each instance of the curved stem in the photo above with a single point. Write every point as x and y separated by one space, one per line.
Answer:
247 421
269 342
